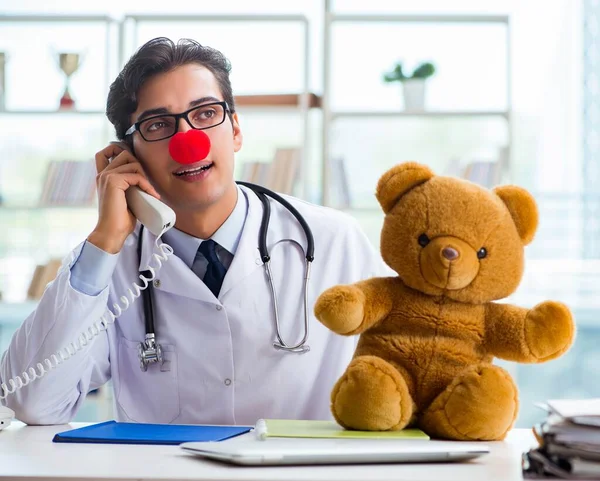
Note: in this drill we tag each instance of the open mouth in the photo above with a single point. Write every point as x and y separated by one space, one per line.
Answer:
194 171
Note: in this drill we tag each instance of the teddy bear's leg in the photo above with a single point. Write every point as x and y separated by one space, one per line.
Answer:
480 404
371 395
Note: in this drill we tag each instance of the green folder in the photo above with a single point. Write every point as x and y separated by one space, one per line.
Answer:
287 428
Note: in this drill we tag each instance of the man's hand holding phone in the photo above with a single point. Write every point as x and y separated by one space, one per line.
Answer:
118 170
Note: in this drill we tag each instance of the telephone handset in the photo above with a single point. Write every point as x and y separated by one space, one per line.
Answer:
157 217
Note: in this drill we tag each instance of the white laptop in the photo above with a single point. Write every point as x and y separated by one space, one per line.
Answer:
335 451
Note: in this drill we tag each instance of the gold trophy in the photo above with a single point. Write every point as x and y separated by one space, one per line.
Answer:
69 63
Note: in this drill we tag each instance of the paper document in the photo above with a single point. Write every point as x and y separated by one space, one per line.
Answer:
569 441
578 411
286 428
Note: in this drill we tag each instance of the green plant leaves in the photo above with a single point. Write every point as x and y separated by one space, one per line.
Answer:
423 71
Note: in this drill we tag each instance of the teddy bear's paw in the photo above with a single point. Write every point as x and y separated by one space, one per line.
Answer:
481 404
549 330
371 396
341 308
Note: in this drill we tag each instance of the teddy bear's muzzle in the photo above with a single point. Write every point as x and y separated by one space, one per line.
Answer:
449 263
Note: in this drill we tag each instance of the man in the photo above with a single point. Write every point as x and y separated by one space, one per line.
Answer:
216 332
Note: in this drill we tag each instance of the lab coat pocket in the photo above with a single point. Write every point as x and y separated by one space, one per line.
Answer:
150 396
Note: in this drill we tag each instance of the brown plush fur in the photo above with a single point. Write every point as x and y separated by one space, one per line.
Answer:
428 336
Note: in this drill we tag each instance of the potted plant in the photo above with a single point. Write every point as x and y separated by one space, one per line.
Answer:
413 85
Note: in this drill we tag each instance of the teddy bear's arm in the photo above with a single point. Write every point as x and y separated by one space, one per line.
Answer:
504 333
528 335
354 308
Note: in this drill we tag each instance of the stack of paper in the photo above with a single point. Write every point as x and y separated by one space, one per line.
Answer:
569 441
292 428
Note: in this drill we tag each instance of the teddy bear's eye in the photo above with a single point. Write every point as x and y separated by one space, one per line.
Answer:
481 253
423 240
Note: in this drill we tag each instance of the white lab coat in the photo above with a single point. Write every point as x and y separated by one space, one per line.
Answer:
220 364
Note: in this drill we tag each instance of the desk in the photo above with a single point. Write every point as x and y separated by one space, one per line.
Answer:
27 453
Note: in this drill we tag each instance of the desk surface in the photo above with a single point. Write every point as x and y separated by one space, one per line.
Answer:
28 453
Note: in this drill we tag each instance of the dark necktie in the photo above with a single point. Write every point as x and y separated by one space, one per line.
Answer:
215 271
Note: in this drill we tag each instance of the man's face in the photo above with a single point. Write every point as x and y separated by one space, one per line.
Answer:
177 91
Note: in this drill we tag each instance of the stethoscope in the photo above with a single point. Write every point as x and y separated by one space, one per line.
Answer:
150 351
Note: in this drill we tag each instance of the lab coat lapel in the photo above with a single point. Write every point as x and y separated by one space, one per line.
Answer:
174 275
247 257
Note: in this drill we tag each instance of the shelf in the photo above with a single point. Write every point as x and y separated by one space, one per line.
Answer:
241 101
55 18
420 18
41 208
277 100
217 18
434 114
52 112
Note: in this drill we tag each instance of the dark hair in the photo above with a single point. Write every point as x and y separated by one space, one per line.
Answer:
157 56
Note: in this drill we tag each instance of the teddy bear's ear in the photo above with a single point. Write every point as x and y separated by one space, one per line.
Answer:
398 181
522 208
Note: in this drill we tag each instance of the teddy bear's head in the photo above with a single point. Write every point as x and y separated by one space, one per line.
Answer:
446 236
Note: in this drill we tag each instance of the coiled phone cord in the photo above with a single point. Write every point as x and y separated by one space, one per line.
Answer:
109 317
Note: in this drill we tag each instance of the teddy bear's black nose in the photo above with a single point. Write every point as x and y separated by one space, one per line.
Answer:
450 253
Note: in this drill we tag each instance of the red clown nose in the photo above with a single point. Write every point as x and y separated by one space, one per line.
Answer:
189 147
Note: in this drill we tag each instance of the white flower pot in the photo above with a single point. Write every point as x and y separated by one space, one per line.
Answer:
414 94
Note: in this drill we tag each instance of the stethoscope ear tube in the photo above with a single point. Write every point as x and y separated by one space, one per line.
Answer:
262 234
310 242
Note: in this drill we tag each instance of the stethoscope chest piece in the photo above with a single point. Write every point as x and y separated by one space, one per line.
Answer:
149 352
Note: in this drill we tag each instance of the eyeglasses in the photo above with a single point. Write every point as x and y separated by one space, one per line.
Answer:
160 127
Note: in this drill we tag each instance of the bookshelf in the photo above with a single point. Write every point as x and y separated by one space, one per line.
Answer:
386 117
37 136
44 217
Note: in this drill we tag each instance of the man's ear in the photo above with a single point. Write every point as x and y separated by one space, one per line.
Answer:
523 209
238 138
398 181
126 144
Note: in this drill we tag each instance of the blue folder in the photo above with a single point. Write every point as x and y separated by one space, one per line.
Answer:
113 432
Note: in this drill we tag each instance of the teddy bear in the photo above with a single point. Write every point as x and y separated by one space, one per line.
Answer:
428 335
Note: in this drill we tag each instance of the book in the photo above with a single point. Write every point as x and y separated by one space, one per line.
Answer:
484 173
42 276
279 174
288 428
69 183
569 441
284 170
113 432
340 187
538 465
577 411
